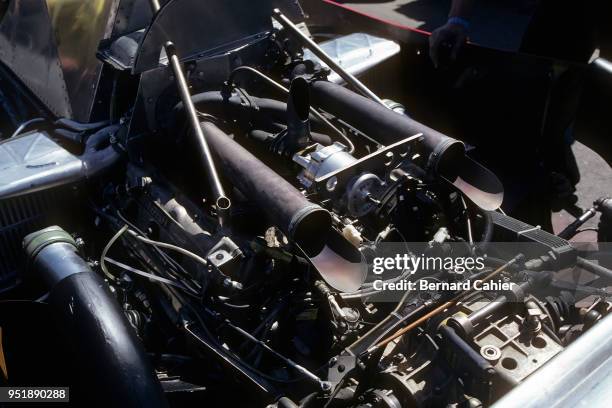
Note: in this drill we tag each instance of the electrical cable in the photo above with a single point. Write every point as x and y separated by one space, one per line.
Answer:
24 125
108 246
171 247
593 229
149 275
166 257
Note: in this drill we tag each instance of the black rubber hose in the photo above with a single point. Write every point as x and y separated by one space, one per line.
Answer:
305 223
100 155
487 231
445 154
251 109
113 368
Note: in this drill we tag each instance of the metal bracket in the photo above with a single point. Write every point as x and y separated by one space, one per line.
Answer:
380 161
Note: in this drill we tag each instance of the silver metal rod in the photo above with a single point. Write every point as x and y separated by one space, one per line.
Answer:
312 46
603 64
155 5
287 360
221 201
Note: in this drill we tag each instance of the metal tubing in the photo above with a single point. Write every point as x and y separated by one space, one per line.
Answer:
594 268
604 65
221 201
25 125
312 46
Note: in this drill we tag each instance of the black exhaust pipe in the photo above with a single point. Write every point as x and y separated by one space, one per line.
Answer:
446 156
298 112
386 126
305 223
112 363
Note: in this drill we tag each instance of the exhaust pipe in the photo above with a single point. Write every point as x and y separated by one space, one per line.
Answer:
305 223
338 262
298 113
446 156
297 134
387 127
106 349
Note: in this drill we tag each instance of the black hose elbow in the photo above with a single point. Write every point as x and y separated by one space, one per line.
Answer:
113 368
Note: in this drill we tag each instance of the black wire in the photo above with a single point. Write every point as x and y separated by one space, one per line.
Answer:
209 334
241 362
166 257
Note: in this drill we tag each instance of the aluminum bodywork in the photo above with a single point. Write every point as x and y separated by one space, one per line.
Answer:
51 45
78 27
27 47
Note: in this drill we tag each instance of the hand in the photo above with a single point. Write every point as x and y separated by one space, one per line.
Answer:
451 36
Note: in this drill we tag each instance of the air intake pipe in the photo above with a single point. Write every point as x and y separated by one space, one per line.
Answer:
110 359
445 154
298 112
305 223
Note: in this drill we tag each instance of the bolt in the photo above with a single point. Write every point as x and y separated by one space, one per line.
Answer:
398 358
145 181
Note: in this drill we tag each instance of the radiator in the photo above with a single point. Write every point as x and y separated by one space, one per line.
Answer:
18 217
